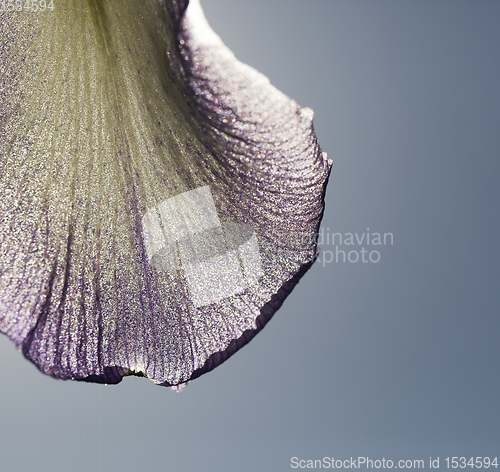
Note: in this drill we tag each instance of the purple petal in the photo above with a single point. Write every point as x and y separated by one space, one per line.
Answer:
160 199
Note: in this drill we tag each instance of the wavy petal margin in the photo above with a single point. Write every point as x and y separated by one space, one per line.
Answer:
159 198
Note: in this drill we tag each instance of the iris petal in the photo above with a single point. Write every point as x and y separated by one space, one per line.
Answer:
159 198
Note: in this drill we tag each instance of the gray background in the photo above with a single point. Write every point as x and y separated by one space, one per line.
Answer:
397 359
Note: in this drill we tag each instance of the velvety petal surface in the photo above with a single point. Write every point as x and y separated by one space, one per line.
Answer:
159 198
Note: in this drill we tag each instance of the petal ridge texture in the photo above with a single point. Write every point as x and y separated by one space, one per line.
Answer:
159 198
